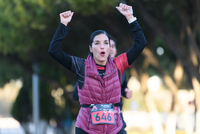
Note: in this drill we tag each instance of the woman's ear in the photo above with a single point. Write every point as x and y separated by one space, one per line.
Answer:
90 49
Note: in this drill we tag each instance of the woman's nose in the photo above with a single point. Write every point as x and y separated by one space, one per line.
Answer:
102 46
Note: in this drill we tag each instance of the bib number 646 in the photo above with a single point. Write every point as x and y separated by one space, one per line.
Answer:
103 117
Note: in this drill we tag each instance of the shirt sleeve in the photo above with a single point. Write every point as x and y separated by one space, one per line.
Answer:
54 49
139 42
73 63
121 63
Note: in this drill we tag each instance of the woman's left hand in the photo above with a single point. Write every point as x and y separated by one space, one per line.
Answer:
126 10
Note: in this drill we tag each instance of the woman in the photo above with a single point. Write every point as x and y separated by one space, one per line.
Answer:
125 92
98 76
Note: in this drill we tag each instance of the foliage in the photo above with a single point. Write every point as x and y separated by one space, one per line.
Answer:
92 7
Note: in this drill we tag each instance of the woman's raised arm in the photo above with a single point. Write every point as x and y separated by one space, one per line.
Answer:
61 32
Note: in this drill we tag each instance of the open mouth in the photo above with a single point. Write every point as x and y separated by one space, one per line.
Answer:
102 53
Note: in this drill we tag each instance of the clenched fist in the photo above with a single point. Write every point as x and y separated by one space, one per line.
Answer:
65 17
128 93
125 10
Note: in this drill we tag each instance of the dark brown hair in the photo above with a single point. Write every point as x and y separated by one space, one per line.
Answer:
97 32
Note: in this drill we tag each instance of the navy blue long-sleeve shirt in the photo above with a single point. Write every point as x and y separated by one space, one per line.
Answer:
76 64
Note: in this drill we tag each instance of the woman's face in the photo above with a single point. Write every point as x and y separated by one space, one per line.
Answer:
100 49
113 49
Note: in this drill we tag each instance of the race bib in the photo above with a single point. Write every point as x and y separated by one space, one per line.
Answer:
102 114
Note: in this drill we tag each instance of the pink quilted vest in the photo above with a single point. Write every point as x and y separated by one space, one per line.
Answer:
99 91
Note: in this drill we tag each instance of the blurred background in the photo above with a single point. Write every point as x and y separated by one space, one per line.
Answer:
36 91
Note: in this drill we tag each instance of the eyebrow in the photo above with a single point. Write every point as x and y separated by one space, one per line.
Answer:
99 41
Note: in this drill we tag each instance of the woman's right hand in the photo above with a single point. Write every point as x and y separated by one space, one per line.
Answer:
65 17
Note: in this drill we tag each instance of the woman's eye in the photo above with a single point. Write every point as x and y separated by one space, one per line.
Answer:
96 43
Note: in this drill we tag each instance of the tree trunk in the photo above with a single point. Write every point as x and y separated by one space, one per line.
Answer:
197 122
171 123
188 122
154 115
151 106
178 73
196 87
